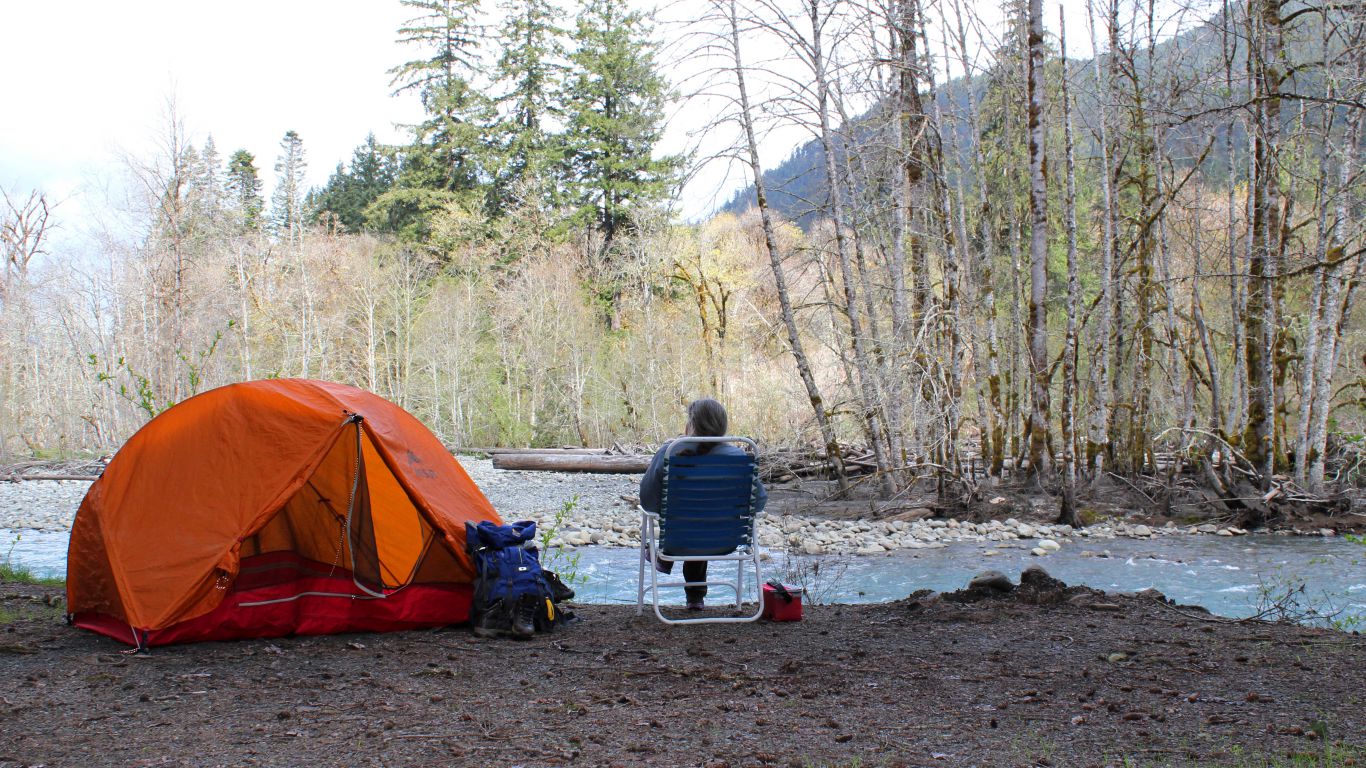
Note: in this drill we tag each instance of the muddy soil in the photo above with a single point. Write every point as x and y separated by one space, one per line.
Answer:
1037 676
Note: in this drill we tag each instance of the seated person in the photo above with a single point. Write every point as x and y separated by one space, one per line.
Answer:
706 418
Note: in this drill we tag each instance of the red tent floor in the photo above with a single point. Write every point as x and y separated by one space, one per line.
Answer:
280 594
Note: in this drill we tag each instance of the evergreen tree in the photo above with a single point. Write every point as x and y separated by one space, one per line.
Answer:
531 72
287 201
444 164
208 185
350 191
244 189
615 117
446 152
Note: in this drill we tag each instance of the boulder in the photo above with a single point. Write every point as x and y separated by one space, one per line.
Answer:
993 581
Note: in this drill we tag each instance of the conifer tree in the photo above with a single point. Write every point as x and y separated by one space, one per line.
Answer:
208 186
615 117
351 190
446 151
287 201
531 73
445 162
244 189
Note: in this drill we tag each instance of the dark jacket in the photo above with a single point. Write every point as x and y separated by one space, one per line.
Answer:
652 484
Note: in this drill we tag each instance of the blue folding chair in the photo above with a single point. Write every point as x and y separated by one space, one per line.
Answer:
707 513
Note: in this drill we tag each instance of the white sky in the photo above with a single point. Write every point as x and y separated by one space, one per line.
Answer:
88 81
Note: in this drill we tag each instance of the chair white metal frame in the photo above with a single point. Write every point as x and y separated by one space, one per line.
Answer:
707 513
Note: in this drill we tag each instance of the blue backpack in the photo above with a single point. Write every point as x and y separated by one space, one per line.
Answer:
507 569
506 562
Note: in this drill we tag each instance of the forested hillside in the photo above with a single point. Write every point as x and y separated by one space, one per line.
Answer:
1139 264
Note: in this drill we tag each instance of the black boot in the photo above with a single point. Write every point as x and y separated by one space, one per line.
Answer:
524 620
488 625
492 622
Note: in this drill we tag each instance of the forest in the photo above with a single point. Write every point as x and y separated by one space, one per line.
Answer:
990 259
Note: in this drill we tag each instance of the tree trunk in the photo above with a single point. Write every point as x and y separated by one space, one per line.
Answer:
1038 249
813 392
993 452
951 362
1237 400
1264 67
871 408
1336 307
1067 512
609 465
1098 421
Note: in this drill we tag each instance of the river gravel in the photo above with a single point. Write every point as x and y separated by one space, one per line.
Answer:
50 505
596 513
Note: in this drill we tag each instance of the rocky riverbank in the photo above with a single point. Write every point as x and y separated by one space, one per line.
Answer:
584 509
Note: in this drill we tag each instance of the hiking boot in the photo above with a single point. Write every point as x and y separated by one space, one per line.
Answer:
487 625
524 621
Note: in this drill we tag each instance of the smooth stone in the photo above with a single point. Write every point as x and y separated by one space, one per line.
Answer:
991 580
1049 545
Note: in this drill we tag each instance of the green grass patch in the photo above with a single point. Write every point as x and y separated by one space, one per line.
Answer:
1311 756
1328 756
17 574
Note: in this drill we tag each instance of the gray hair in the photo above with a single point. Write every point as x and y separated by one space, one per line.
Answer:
707 418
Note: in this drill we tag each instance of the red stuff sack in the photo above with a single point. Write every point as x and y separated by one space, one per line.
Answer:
782 603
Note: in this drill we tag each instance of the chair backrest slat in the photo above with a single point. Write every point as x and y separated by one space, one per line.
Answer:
708 504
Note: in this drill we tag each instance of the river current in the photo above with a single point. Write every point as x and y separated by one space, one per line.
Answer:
1229 576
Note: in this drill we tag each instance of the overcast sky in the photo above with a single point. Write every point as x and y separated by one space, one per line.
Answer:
88 81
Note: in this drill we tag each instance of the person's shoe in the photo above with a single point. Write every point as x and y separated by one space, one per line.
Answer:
696 605
524 622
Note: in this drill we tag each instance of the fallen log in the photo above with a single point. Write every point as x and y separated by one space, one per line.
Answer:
17 478
606 465
533 451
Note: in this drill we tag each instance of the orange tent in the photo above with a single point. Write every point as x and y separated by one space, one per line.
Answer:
274 507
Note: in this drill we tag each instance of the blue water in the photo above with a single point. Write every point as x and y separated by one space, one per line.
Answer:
1229 576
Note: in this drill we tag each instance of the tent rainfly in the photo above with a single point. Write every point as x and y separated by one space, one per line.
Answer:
271 508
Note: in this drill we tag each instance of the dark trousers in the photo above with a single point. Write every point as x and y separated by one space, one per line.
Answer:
695 570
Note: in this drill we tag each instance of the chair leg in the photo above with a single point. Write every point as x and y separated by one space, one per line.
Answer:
739 581
640 579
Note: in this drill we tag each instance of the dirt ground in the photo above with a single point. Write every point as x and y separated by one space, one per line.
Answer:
1082 679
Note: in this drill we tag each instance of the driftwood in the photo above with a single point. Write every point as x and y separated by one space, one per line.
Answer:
17 478
599 464
533 451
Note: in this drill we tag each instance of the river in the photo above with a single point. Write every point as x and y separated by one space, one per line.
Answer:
1229 576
